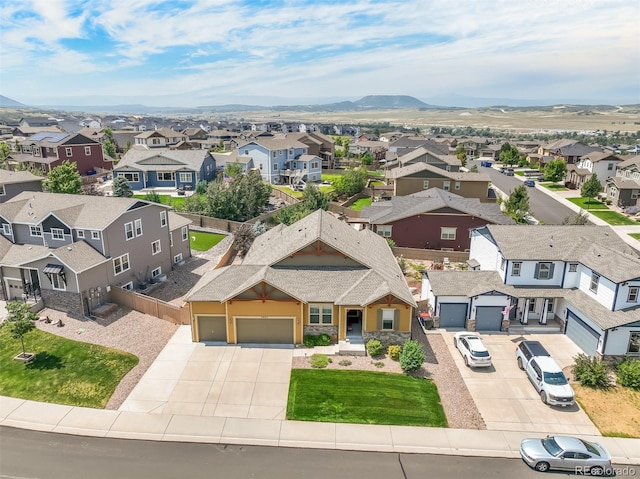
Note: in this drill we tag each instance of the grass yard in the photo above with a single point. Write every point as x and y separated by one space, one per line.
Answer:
363 397
289 191
615 412
519 173
330 177
554 187
63 371
635 236
175 201
613 218
202 241
588 203
358 204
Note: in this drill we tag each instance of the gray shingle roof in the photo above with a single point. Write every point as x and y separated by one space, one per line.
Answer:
419 167
165 160
9 177
634 160
177 221
79 256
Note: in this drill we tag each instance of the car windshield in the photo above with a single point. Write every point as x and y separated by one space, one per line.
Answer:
555 378
590 447
480 354
551 446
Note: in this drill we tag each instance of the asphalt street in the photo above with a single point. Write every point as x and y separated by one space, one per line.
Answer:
543 207
38 455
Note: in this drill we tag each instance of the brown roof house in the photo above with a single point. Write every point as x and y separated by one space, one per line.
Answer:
623 189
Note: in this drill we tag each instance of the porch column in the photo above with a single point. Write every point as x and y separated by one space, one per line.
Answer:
543 314
525 312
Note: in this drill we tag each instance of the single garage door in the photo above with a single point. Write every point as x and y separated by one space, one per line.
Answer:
582 334
267 330
489 318
453 315
212 328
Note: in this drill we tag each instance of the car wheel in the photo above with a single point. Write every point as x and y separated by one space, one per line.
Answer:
543 397
466 361
542 467
520 365
596 471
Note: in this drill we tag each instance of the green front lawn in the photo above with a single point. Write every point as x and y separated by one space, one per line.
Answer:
554 186
174 201
63 371
613 218
588 203
363 397
519 173
202 241
635 236
358 204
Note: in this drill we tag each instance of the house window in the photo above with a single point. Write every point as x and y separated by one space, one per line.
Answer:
448 233
138 227
314 165
246 152
544 271
634 343
275 166
384 230
610 166
87 151
260 166
274 154
58 283
166 176
550 305
633 295
595 280
532 306
186 177
95 235
573 267
320 314
131 176
177 258
446 185
156 272
121 263
457 185
155 247
128 230
163 218
35 230
68 152
80 234
425 185
388 316
290 152
6 229
128 286
185 233
2 191
515 269
57 234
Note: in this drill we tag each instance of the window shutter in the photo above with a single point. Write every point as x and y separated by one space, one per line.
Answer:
396 318
379 326
537 273
551 270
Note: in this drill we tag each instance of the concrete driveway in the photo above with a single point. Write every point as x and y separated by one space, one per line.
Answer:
214 380
504 396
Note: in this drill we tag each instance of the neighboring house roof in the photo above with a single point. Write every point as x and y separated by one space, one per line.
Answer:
474 283
634 160
276 143
78 256
597 247
177 221
166 132
419 167
10 177
162 160
623 183
597 156
433 199
375 274
83 211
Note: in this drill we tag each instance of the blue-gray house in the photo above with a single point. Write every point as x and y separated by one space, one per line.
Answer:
181 169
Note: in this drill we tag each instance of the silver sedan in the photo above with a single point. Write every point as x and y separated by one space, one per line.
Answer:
567 454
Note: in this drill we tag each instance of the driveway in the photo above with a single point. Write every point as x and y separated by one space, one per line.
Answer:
504 396
200 379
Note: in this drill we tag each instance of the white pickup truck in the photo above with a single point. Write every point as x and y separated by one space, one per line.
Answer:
545 374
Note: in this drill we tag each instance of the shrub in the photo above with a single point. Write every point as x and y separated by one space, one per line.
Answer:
153 196
374 348
311 340
628 372
345 363
201 187
412 356
378 364
591 372
394 351
319 361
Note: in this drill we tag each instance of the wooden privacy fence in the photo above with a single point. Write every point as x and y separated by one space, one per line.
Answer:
151 306
431 254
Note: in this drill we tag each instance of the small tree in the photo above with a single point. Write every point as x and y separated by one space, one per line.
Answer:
121 187
5 151
63 179
555 170
352 182
313 199
109 147
517 205
509 156
591 188
153 196
412 356
19 321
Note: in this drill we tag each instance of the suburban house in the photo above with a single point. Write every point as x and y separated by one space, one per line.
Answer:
422 176
624 188
160 138
319 145
282 160
46 150
430 155
37 121
13 183
362 147
318 275
179 169
585 278
70 250
430 219
602 163
569 150
473 146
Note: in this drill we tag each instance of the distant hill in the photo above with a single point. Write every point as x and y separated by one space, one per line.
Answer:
6 102
390 101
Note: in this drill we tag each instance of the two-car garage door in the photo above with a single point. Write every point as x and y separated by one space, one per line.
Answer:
248 330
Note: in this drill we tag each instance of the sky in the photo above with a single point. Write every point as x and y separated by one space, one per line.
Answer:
263 52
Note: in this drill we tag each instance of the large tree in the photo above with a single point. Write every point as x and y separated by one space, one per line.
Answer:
121 187
509 156
555 170
19 321
4 152
591 188
239 199
353 181
63 178
517 205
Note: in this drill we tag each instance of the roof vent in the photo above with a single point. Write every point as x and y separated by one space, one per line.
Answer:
69 248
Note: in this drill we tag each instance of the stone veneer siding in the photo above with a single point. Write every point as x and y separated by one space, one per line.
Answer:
317 329
63 301
387 337
471 324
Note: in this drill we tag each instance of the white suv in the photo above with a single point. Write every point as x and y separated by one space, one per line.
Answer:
472 349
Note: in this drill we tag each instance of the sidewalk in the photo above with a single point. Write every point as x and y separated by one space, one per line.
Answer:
266 432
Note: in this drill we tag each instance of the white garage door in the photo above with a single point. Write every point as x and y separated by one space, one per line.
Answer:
582 334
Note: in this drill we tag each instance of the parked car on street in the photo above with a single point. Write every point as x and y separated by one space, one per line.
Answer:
472 349
509 172
529 183
567 454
